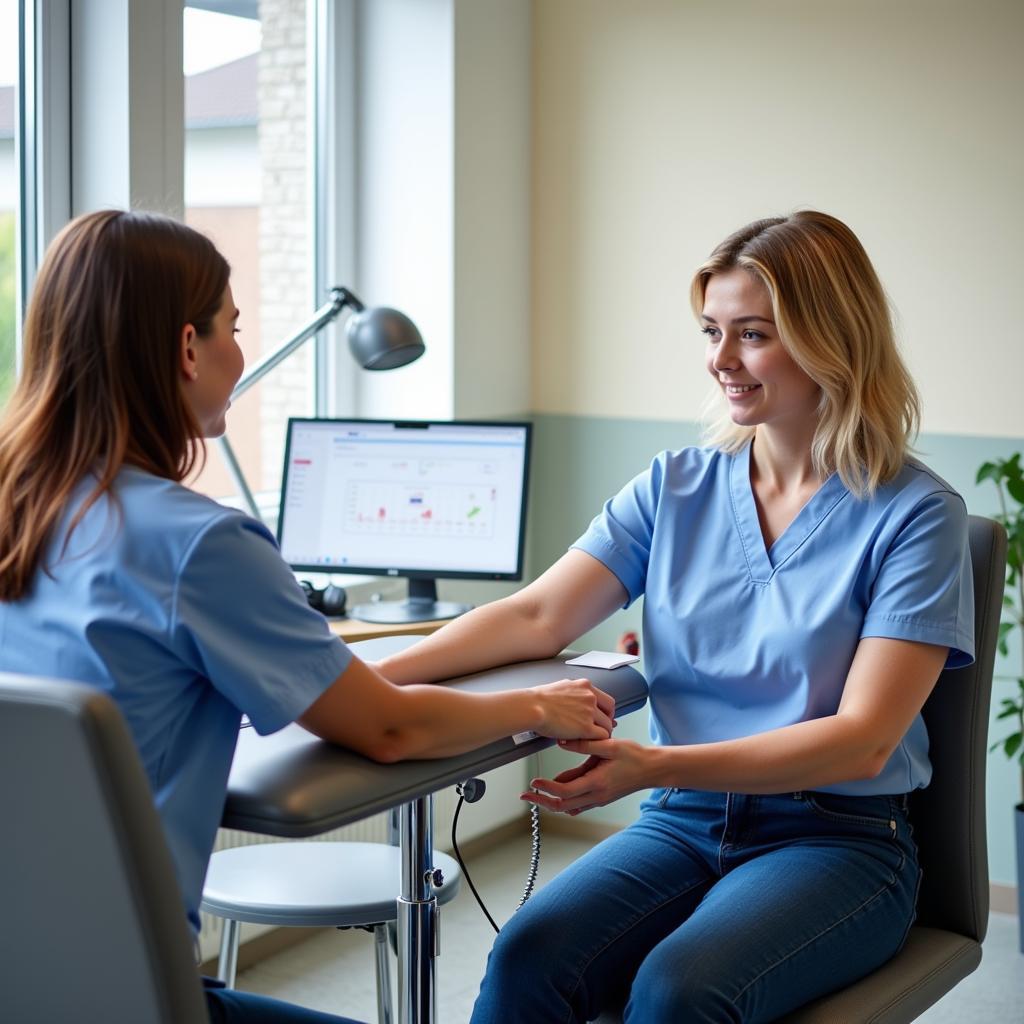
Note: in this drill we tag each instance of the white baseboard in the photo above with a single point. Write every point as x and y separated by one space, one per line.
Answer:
1003 898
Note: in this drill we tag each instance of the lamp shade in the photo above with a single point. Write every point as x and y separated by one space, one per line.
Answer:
383 338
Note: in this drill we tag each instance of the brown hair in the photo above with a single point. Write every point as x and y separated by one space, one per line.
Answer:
101 378
834 319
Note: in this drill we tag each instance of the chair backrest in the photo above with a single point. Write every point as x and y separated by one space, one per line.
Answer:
949 816
93 921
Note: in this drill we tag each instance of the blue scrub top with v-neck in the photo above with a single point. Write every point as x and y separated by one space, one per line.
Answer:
740 639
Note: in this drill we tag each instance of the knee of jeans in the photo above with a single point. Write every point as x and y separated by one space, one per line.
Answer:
523 948
665 990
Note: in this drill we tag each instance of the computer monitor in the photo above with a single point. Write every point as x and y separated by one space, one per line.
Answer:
426 500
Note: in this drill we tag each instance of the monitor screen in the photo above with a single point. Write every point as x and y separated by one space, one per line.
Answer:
419 499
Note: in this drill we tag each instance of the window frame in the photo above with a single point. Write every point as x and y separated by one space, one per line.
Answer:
58 154
332 206
42 153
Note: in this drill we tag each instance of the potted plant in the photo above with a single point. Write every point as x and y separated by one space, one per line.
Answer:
1008 477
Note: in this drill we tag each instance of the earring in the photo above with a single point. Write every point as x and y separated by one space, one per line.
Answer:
195 375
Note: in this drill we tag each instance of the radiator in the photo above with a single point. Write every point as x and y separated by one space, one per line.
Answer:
499 806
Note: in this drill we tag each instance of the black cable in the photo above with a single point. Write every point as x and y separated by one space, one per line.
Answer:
469 792
462 864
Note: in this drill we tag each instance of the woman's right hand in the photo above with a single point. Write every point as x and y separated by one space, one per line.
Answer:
575 709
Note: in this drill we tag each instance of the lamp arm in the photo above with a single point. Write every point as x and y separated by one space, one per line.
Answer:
340 298
231 462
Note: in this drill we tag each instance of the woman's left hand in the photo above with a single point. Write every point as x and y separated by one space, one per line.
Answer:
613 769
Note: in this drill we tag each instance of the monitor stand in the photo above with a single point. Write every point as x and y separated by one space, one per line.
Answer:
421 605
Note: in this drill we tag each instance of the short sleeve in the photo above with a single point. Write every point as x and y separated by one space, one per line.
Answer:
620 535
924 589
241 619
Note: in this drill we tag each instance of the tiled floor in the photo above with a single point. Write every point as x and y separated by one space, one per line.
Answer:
334 971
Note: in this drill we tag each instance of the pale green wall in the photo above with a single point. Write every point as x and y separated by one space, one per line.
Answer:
580 461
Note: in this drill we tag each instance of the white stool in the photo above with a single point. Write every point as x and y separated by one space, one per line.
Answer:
313 885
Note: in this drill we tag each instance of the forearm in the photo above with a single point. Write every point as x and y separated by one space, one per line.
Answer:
499 633
807 755
886 687
434 721
367 713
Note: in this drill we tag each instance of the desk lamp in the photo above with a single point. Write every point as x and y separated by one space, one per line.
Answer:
379 339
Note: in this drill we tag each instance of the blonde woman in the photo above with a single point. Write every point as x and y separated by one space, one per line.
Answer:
805 582
114 574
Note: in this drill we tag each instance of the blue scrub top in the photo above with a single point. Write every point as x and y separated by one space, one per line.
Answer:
739 639
184 612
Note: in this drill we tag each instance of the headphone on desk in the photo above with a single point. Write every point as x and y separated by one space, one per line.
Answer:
329 600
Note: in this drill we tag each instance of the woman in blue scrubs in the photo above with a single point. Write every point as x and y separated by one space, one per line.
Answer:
114 574
805 582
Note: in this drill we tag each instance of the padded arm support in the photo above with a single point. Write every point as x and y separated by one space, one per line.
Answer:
294 784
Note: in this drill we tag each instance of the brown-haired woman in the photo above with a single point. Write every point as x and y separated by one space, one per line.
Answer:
804 581
114 574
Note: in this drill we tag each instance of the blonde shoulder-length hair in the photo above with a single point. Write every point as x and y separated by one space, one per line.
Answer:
834 319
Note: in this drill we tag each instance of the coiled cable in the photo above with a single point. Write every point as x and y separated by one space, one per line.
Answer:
469 792
531 876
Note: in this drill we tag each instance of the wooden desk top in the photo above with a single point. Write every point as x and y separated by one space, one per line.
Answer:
352 630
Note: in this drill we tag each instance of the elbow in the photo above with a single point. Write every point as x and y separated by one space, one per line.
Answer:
389 747
547 634
398 744
383 747
861 750
873 763
379 744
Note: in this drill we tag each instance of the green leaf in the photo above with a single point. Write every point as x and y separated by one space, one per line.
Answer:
1012 468
1010 712
988 471
1016 488
1015 542
1012 744
1004 632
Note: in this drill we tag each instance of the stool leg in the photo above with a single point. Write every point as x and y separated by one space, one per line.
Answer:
380 944
227 963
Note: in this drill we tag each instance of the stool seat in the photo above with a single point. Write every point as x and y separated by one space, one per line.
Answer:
313 884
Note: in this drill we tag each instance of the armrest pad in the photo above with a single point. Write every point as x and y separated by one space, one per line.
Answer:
294 784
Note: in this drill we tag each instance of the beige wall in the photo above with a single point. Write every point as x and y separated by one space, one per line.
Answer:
661 126
491 272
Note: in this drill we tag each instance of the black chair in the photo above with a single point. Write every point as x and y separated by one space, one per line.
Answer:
944 945
94 926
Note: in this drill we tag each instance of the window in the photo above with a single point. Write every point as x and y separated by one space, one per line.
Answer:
8 192
247 182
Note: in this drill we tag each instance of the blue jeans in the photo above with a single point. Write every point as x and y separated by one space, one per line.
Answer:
714 908
228 1006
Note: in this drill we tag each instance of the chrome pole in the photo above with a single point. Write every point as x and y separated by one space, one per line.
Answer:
231 462
418 934
340 298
